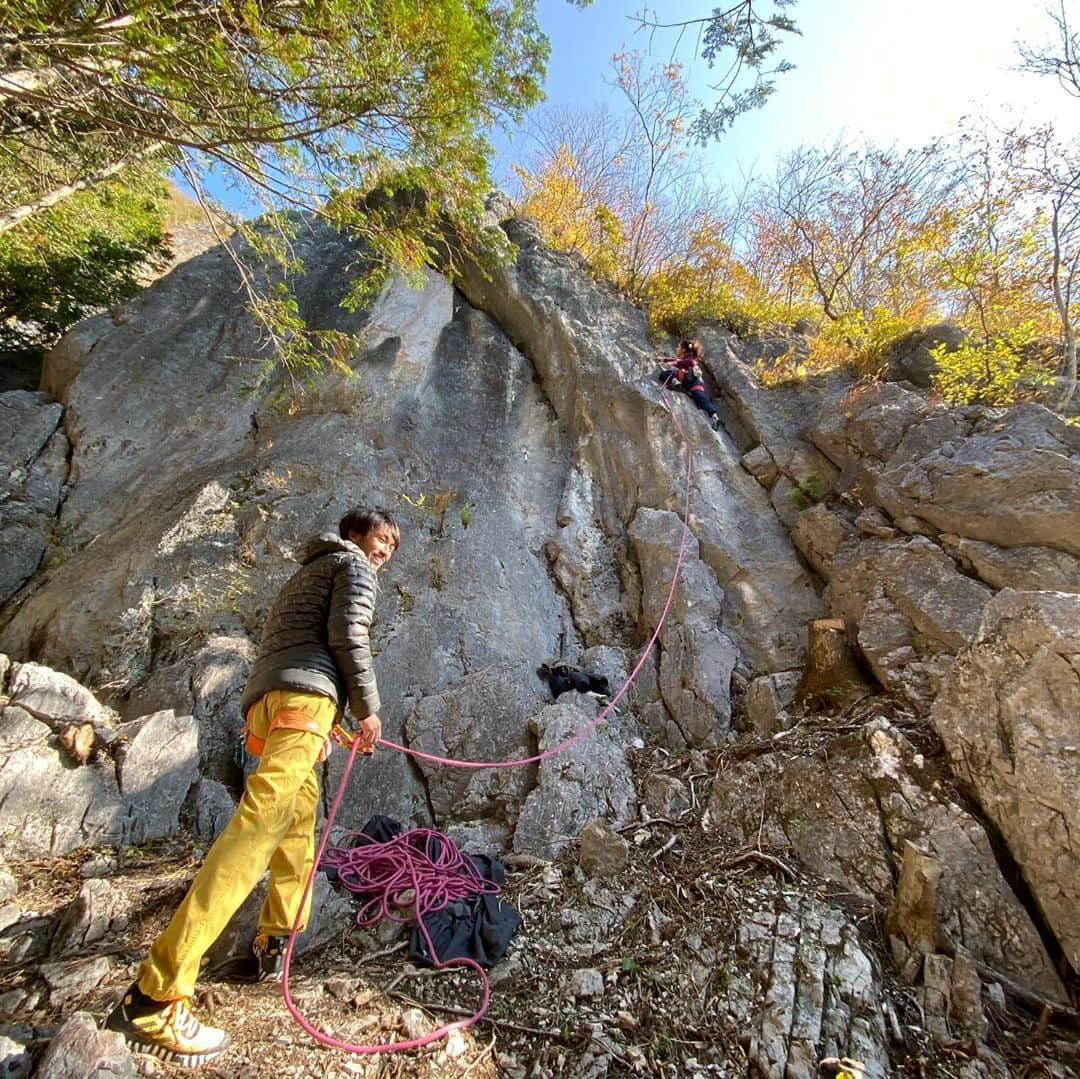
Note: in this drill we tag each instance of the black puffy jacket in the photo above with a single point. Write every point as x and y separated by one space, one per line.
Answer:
316 635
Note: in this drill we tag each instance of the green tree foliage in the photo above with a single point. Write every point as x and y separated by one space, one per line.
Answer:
303 105
738 43
997 370
86 253
710 281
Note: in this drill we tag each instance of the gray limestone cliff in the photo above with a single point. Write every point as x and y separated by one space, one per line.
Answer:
156 489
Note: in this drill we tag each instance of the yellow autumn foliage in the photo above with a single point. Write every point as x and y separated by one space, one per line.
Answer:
979 261
570 217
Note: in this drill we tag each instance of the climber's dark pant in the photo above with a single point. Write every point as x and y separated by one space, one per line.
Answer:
670 381
702 400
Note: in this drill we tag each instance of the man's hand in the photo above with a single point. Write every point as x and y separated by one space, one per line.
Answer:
370 731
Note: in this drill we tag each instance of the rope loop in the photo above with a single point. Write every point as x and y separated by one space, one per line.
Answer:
422 861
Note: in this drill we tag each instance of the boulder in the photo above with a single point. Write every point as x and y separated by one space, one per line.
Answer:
70 981
665 796
1013 481
55 698
861 427
760 464
130 794
80 1048
590 778
15 1061
766 698
158 767
813 992
1024 569
9 886
909 358
819 534
603 851
1007 714
100 910
912 606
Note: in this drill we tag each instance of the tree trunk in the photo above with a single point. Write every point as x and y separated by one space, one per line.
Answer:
831 677
10 218
1062 306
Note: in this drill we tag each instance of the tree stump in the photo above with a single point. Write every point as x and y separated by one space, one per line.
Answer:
832 676
912 918
77 740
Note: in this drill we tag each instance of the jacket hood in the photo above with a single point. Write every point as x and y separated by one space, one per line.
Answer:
326 543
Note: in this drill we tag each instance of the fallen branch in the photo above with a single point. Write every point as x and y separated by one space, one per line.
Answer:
411 972
668 844
1028 996
450 1009
651 821
488 1051
525 861
760 856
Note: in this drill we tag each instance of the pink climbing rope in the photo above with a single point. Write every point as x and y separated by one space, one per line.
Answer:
422 861
398 875
390 868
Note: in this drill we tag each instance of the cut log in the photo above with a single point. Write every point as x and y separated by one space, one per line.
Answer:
832 677
77 740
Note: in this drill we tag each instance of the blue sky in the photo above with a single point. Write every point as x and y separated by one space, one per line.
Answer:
896 74
863 68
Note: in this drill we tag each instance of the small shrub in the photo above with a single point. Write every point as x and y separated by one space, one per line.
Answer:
998 371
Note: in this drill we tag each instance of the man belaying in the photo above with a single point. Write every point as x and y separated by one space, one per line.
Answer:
680 372
314 658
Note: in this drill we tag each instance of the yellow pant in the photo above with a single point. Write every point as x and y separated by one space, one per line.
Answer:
273 827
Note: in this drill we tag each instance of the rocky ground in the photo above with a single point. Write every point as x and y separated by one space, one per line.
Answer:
656 969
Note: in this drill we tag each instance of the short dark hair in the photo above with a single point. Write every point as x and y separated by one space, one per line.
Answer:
363 520
690 347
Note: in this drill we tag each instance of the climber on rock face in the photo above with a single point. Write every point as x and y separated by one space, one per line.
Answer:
680 372
314 658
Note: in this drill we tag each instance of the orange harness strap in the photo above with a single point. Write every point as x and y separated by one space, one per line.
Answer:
291 719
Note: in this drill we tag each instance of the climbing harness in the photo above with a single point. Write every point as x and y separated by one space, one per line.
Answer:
397 876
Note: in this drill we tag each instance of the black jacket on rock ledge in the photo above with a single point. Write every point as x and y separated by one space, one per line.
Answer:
316 635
